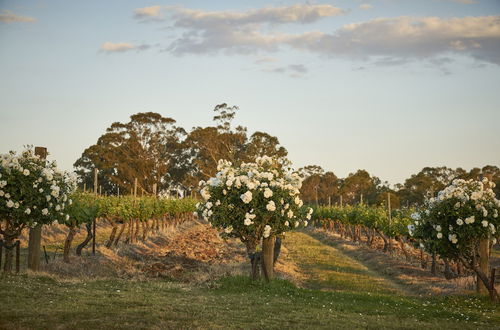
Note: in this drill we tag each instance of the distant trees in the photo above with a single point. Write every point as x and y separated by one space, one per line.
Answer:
154 150
144 148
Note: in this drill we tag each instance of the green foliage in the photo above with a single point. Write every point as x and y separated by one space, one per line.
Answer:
372 217
83 209
86 207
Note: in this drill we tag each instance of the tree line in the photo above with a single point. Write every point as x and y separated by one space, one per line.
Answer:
154 150
325 188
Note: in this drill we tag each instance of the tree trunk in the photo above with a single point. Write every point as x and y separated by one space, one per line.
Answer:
277 249
80 247
124 224
136 231
433 265
268 257
487 282
448 274
484 263
423 259
403 248
386 244
67 243
254 259
113 233
9 238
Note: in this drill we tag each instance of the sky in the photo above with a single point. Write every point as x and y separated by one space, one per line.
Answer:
389 86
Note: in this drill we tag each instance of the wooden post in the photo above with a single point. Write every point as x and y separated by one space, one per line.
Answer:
390 216
94 232
361 199
84 187
154 189
100 190
135 187
35 234
118 191
18 255
268 257
484 263
340 200
484 251
329 201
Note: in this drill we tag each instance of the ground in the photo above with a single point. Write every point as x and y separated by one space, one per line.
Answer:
190 278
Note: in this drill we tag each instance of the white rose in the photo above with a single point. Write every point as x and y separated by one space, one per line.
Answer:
267 231
228 229
271 206
439 235
28 211
290 213
246 197
26 172
460 222
268 193
484 223
10 204
45 211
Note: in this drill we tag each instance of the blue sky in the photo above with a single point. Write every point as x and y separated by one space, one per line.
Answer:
389 86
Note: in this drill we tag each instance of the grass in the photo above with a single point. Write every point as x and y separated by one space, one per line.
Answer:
341 294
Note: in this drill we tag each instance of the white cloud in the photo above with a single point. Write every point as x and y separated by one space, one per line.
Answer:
407 38
386 40
303 14
148 13
7 16
293 70
365 6
121 47
240 32
465 2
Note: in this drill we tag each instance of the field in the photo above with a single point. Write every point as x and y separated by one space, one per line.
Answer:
323 282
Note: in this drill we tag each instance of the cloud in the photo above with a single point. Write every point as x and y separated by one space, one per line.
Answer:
409 38
7 16
185 17
465 2
265 60
148 13
383 41
121 47
240 32
365 6
293 70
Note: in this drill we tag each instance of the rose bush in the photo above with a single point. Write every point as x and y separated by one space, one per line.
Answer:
32 191
253 201
455 223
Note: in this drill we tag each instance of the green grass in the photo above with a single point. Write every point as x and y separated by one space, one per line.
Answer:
330 269
342 294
